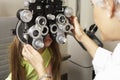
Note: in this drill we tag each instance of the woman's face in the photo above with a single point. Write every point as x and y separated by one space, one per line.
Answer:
47 41
105 23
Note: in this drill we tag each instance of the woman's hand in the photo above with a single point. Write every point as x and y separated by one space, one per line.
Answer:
34 58
78 30
81 36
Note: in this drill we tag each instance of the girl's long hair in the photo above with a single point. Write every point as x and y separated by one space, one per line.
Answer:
56 61
18 72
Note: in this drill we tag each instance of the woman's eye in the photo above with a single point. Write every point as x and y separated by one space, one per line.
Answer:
91 3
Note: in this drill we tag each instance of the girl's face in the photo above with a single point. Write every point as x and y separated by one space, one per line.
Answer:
106 24
47 41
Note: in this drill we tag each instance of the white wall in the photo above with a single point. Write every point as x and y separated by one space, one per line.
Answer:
10 7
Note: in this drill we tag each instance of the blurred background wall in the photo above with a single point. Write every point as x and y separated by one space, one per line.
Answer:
9 7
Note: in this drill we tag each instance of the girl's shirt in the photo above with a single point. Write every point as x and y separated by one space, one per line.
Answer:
31 73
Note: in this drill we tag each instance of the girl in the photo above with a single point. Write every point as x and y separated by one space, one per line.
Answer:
29 64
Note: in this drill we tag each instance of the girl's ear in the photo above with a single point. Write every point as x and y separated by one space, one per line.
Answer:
110 4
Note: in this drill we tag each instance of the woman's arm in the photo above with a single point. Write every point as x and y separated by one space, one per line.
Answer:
80 35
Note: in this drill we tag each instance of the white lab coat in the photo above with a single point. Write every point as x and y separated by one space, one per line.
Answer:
107 64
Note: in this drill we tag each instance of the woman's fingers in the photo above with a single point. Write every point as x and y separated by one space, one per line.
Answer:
71 19
78 30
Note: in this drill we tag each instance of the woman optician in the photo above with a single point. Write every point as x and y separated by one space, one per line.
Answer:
107 18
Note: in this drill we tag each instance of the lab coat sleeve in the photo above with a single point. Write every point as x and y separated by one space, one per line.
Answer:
101 60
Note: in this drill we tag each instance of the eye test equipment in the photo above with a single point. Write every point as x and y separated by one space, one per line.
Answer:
41 17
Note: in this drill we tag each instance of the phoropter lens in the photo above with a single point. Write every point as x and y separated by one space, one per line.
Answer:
61 19
41 21
26 15
53 28
67 28
36 33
